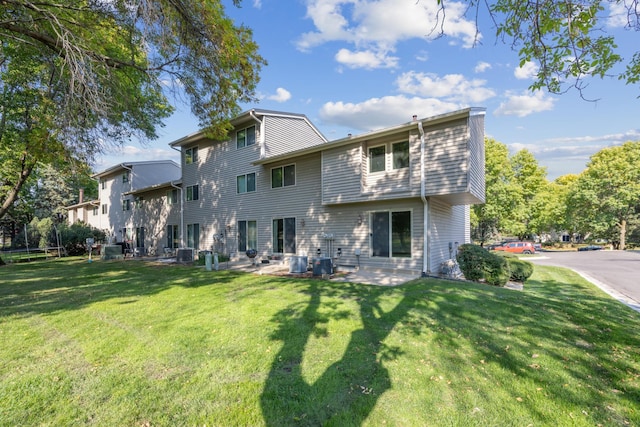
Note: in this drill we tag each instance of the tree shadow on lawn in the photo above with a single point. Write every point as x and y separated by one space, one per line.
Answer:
551 325
347 390
527 334
52 286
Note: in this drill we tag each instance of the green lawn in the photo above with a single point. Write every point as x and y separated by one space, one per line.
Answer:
139 344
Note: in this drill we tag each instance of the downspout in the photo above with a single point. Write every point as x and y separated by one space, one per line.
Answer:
131 187
181 200
263 153
426 250
181 214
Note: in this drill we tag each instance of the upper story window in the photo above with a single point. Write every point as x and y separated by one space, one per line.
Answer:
191 155
377 158
192 193
125 176
126 205
400 155
138 202
246 137
246 183
283 176
103 183
104 209
172 196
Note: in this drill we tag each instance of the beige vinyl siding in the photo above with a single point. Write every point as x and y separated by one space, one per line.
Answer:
341 174
477 157
448 225
349 234
284 134
154 214
446 158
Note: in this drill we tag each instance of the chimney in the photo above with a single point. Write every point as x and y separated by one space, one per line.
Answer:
81 196
415 117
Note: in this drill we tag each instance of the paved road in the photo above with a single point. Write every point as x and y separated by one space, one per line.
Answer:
617 272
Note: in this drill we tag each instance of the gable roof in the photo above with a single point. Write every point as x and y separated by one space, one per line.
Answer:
128 165
244 117
374 134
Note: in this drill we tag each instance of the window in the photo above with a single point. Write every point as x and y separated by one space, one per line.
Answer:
193 236
103 183
172 196
138 202
247 235
125 176
401 155
377 159
192 193
104 209
139 237
284 235
95 211
283 176
391 234
126 205
191 155
246 137
173 236
246 183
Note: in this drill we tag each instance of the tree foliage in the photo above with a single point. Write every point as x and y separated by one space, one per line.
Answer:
76 76
568 40
607 193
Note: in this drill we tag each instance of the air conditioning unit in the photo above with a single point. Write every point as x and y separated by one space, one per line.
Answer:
184 255
298 264
321 266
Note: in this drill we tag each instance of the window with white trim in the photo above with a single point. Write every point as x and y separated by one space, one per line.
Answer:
283 176
104 209
377 158
247 235
391 234
193 236
246 183
246 137
284 235
172 196
400 152
126 205
191 155
192 193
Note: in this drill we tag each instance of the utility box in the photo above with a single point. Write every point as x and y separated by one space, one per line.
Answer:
321 266
184 255
298 264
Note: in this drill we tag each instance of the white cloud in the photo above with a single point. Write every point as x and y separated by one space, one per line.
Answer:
378 25
527 71
481 67
366 59
524 104
378 113
618 15
453 87
281 95
257 4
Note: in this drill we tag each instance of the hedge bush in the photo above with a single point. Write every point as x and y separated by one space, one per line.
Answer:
477 263
520 269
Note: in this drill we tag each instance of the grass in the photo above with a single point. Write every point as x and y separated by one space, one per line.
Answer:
139 344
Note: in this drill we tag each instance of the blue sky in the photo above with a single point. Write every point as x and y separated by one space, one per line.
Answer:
352 66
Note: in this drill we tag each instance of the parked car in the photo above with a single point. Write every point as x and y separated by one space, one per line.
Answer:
517 248
590 248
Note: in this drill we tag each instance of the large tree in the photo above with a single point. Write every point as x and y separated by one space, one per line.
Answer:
76 75
607 192
567 39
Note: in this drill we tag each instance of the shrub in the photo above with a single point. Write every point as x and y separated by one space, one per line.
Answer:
520 270
477 263
74 237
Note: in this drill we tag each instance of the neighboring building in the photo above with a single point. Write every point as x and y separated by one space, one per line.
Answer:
113 211
396 198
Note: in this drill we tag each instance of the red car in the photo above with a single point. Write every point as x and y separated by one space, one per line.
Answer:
517 248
